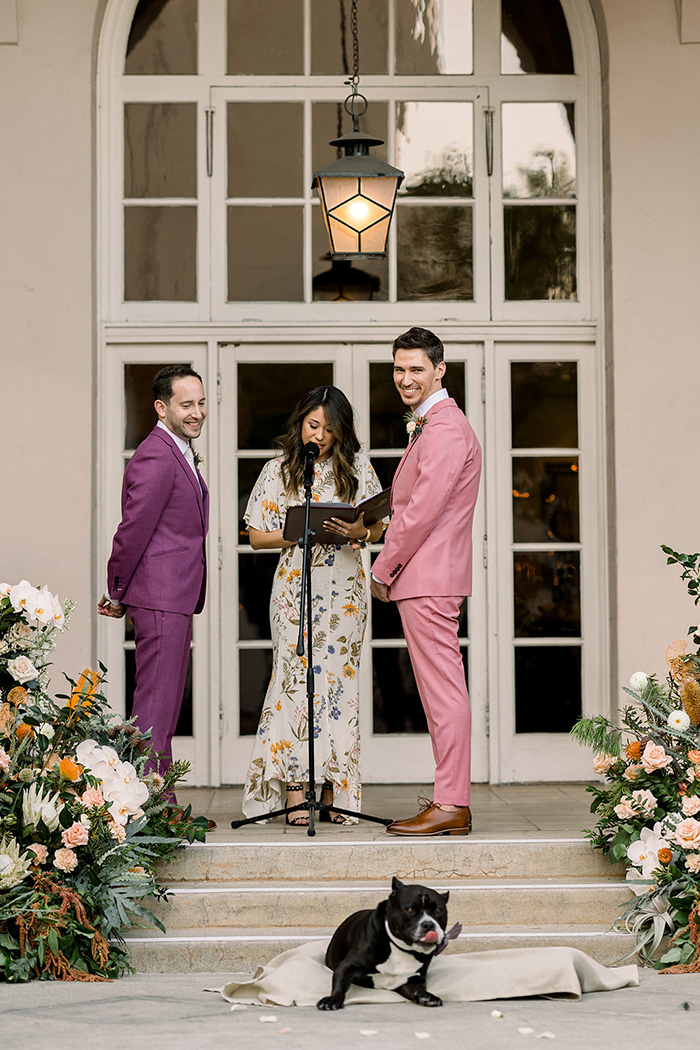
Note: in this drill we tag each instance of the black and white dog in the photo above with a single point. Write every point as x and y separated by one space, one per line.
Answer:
390 947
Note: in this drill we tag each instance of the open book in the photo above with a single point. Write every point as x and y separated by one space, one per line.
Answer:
374 508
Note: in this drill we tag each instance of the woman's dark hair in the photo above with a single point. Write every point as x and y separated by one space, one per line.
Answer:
339 416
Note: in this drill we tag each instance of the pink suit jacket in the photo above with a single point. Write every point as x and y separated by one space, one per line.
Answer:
158 555
428 545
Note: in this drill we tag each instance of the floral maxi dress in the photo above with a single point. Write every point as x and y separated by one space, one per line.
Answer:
339 614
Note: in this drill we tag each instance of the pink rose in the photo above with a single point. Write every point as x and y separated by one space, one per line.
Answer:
654 757
692 862
690 806
645 801
41 852
92 797
65 860
687 834
4 759
602 763
625 809
75 835
632 772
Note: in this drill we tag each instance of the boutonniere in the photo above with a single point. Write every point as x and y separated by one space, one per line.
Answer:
198 459
414 424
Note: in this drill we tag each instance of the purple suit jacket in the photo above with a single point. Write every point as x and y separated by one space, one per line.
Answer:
428 545
158 556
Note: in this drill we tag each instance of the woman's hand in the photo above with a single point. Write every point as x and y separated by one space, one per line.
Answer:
354 530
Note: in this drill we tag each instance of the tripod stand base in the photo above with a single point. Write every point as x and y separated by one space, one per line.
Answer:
312 806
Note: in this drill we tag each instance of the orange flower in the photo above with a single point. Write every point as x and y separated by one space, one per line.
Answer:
633 750
664 855
23 730
69 769
85 689
348 671
694 757
18 695
350 609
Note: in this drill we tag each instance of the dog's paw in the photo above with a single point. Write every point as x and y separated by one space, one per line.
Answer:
424 998
330 1003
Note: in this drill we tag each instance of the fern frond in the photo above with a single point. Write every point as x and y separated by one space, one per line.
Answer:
598 733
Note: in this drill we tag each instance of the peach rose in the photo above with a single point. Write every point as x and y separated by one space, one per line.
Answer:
632 772
692 862
4 760
92 797
691 805
625 809
65 860
694 757
40 852
687 834
654 757
602 762
75 835
645 801
117 831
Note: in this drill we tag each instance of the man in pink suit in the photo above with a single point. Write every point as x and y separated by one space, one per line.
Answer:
426 568
157 571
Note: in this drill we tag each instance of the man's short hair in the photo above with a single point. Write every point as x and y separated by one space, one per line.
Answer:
421 339
163 381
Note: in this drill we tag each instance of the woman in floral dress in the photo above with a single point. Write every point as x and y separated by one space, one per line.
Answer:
339 612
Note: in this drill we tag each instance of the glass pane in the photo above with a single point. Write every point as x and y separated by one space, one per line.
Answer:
265 36
139 414
160 149
331 37
248 471
265 149
267 393
435 253
547 688
387 427
545 500
338 280
434 38
539 149
385 467
255 575
544 404
396 706
160 254
329 121
255 671
534 37
264 254
184 722
435 148
163 39
547 594
540 251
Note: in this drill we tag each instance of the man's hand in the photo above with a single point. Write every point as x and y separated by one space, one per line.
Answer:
106 608
379 590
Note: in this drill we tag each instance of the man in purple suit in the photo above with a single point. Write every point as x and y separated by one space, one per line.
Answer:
157 571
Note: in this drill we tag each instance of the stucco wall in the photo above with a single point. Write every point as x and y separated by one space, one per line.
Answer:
46 334
654 84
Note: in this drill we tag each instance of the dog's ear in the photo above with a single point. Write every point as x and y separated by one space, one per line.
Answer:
445 896
396 884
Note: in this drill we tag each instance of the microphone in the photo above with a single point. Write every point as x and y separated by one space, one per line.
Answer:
310 451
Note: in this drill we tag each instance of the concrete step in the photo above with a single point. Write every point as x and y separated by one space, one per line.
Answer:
473 902
220 951
419 860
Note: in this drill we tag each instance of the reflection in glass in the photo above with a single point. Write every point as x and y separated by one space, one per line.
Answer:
547 688
534 37
140 415
435 253
539 149
544 404
340 280
265 36
255 575
264 141
387 426
160 253
267 393
540 251
331 37
435 148
396 706
545 500
264 254
160 149
248 471
329 121
163 39
547 594
255 671
185 721
434 38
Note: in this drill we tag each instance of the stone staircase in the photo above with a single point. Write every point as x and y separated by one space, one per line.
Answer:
235 905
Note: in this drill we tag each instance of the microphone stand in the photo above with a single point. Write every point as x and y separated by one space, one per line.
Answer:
306 542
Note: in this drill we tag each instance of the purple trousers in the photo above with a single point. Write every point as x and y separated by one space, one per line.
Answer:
162 655
431 628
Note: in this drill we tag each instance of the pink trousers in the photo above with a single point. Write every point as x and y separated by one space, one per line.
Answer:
431 628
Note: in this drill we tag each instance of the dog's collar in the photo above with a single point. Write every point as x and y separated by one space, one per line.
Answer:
421 950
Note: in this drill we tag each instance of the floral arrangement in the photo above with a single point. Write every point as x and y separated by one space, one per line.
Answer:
648 811
414 424
83 826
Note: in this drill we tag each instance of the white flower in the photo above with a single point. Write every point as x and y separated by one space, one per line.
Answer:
47 730
5 589
59 619
410 426
13 865
692 862
38 806
644 852
38 606
22 669
20 635
639 681
678 720
19 594
3 646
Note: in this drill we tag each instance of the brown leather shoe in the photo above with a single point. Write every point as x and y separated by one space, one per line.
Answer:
435 821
